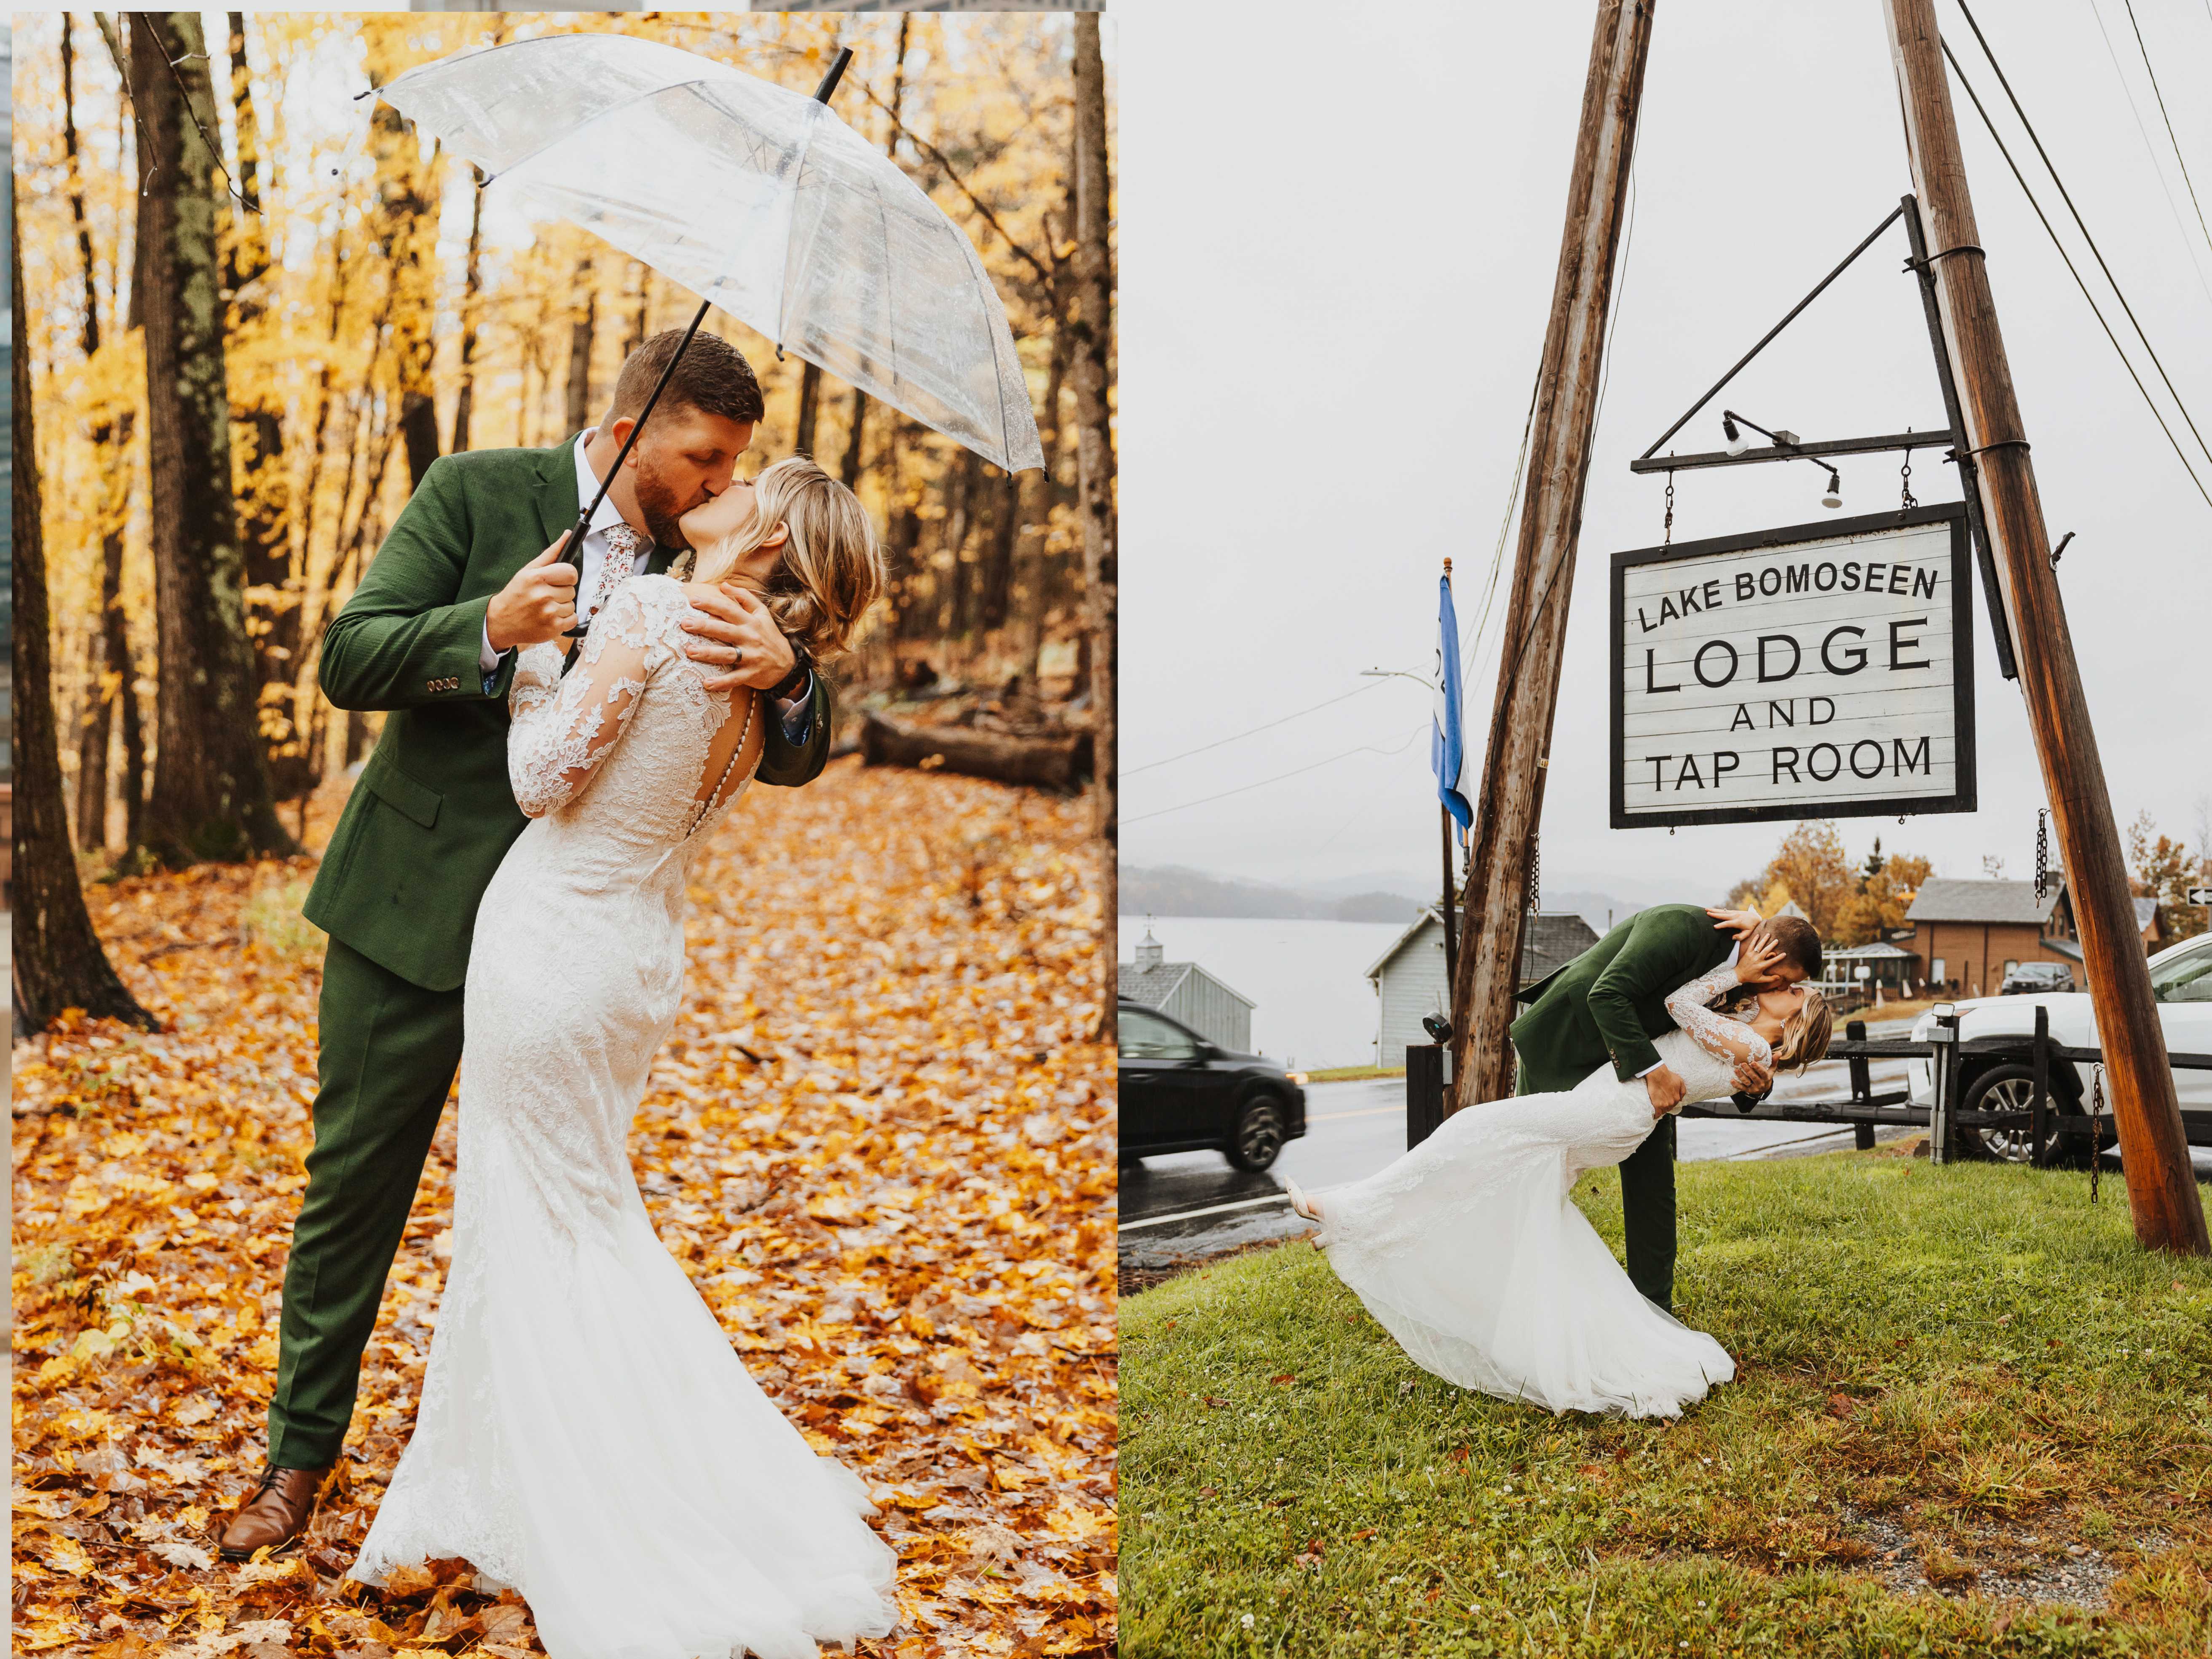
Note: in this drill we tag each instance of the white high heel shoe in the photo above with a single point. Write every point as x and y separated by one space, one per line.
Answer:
1304 1207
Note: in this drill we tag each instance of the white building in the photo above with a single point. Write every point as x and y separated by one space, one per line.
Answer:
1409 977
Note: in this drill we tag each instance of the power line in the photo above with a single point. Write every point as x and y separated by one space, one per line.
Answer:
2067 197
1297 772
2150 150
2094 310
2168 119
1132 771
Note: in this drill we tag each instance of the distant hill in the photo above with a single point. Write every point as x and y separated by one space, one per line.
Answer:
1175 891
1178 891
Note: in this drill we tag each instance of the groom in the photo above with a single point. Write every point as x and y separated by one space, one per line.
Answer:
431 636
1607 1005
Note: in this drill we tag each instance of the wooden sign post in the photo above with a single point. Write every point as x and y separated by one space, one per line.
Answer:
1513 761
2162 1195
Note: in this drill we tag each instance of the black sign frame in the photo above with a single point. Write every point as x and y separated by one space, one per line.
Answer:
1961 800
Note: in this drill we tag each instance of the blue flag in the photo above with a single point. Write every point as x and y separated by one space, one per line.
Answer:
1447 745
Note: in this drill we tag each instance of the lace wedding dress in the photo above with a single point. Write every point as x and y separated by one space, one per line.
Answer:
1470 1251
586 1435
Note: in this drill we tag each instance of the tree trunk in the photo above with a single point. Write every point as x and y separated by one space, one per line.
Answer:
472 286
93 729
115 676
58 960
848 468
1094 453
1058 762
581 328
643 311
407 227
997 586
960 491
210 798
263 480
809 406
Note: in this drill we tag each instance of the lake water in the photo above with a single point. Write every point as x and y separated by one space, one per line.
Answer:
1315 1007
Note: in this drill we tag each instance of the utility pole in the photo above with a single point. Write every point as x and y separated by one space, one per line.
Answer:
1514 760
2162 1195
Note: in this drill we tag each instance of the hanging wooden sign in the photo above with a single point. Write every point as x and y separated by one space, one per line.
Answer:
1817 671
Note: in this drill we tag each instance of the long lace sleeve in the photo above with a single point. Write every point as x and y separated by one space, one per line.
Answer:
1686 1008
561 729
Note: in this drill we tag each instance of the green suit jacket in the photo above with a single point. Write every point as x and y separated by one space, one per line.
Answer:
1609 1002
432 814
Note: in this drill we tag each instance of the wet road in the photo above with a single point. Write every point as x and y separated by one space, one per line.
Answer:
1189 1207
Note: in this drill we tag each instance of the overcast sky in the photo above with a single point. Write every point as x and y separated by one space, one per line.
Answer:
1339 230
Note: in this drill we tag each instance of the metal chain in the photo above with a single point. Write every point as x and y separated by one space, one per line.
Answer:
1905 477
1668 540
2096 1128
1535 888
2042 852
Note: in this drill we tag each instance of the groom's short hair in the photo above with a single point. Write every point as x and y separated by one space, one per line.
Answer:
711 377
1799 940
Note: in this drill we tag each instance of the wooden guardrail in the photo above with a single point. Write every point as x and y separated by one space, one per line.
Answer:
1866 1110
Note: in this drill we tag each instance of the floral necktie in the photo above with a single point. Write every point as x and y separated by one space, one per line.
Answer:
619 566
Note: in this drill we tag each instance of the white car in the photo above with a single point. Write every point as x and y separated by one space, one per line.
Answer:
2004 1081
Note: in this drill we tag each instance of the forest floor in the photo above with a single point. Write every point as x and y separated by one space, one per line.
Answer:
1970 1417
880 1141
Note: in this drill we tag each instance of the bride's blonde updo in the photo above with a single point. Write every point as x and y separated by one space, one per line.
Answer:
831 567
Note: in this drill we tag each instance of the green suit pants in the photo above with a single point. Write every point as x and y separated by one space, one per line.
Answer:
390 1050
1647 1200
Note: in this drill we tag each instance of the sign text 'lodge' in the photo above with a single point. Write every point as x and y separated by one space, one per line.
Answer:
1820 670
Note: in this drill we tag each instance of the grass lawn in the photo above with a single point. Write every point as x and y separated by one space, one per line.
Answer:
1354 1073
1972 1418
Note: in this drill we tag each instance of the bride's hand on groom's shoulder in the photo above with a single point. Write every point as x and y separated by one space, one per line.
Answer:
730 629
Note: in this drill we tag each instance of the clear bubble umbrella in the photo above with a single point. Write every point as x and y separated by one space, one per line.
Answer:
757 198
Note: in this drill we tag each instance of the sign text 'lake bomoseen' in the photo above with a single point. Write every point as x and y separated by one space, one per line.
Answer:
1819 670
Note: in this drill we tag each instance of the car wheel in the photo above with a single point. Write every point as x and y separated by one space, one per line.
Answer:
1259 1136
2009 1088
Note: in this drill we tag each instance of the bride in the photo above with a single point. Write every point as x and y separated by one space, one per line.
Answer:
1471 1252
586 1436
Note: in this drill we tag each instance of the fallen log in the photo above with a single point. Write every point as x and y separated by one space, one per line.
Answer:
1058 762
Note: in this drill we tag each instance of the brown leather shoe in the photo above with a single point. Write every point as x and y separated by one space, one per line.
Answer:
275 1515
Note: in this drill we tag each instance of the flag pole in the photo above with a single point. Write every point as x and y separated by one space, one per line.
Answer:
1450 902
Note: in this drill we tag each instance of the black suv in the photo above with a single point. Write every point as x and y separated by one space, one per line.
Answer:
1180 1093
2031 977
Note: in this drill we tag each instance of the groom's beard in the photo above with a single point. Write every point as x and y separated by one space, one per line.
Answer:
662 513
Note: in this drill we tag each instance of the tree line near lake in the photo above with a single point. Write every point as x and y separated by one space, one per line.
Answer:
1860 903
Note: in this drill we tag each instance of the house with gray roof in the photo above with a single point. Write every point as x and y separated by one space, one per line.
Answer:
1968 935
1185 991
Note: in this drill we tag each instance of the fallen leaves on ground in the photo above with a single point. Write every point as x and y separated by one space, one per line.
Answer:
879 1141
